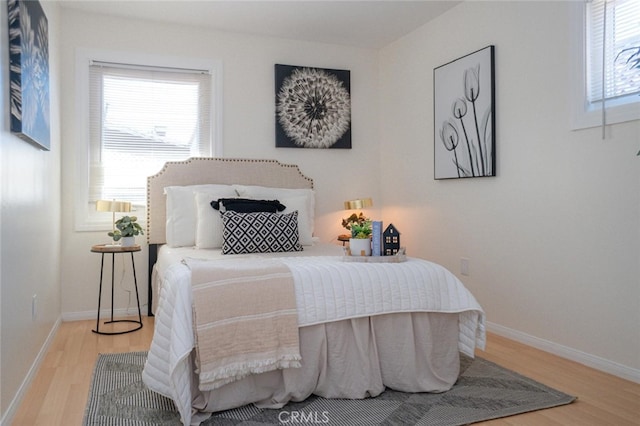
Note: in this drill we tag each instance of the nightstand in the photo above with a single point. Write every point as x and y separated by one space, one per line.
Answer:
113 250
344 238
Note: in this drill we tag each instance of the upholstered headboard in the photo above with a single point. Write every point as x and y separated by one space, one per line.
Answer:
196 171
206 170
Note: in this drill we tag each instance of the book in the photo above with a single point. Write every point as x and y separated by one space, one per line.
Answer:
376 238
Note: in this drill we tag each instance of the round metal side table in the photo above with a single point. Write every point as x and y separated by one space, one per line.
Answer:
113 250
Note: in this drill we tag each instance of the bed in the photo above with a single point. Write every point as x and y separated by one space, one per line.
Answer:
237 323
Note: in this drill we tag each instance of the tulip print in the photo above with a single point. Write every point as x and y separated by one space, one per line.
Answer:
471 92
464 116
459 110
472 83
449 135
450 139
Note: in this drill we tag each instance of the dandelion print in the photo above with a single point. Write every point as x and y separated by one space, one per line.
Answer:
313 107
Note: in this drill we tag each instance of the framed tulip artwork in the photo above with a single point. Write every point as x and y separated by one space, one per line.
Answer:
464 117
313 107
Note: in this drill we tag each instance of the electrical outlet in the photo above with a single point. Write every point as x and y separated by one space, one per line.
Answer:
464 266
34 307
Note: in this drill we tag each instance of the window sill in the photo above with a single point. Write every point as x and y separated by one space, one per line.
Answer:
614 114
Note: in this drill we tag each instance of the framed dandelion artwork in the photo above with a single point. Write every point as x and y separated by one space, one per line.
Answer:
313 107
29 72
464 117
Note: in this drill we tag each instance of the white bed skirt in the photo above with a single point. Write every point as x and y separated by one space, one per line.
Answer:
356 358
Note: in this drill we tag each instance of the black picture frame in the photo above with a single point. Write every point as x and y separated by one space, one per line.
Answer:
29 72
464 116
313 107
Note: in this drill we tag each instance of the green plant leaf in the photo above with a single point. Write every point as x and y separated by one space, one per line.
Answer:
127 227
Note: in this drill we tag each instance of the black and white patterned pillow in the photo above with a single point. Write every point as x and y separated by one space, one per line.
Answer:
260 232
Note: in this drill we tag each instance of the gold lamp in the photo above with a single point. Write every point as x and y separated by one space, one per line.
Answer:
113 206
360 203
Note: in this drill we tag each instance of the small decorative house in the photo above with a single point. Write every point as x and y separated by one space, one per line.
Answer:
391 240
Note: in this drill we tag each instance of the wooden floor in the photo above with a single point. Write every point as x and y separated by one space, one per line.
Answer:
58 394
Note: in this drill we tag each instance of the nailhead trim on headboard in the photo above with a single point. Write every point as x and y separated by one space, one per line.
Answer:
204 170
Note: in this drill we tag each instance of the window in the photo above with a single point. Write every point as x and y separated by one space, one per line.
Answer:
141 118
610 62
140 114
621 20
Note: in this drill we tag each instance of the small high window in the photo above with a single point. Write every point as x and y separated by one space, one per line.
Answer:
613 48
606 75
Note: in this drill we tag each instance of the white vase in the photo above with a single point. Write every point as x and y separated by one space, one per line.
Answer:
128 241
360 246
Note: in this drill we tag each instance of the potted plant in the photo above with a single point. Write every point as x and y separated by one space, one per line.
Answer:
633 61
360 228
127 230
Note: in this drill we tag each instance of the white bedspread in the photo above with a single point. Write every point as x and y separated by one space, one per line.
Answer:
327 289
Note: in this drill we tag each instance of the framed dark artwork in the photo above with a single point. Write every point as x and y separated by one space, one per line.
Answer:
313 107
29 72
464 117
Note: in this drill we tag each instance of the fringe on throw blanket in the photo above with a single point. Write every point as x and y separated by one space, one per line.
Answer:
245 319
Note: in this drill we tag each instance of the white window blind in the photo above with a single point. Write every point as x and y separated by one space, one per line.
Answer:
613 26
140 118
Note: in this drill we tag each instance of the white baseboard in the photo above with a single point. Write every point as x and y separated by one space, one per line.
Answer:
589 360
17 399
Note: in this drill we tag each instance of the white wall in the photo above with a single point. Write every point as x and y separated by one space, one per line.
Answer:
248 123
30 232
553 241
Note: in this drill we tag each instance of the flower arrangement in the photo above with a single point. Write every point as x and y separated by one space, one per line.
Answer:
633 61
359 225
127 227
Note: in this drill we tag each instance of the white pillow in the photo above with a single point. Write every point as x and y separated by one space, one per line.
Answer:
305 229
209 226
306 212
181 212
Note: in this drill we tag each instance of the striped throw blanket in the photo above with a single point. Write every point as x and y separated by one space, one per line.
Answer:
245 319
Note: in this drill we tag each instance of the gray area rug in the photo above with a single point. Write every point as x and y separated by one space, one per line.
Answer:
484 391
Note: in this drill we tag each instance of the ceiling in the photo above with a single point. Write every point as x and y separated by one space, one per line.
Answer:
367 24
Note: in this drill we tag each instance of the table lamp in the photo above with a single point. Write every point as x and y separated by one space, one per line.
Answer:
113 206
360 203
